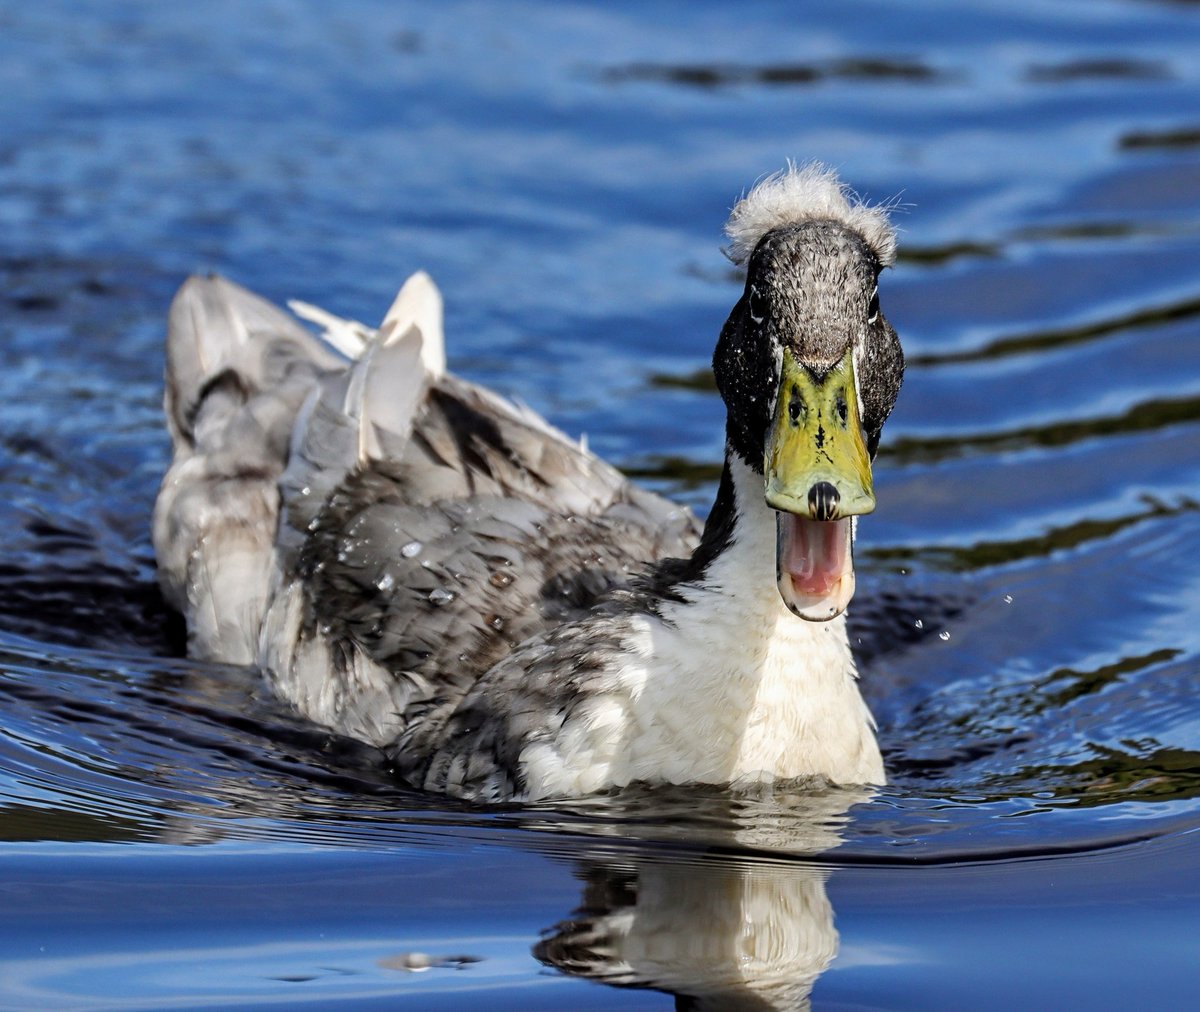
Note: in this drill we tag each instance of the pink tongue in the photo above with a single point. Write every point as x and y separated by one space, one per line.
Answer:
813 552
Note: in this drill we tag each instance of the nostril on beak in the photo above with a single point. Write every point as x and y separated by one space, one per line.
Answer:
823 501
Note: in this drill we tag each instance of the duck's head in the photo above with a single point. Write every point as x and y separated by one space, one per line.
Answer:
809 368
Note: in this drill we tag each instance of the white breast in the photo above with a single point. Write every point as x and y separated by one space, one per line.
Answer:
729 686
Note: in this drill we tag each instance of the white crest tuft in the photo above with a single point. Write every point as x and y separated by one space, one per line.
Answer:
800 193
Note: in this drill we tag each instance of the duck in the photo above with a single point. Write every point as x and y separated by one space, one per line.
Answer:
416 562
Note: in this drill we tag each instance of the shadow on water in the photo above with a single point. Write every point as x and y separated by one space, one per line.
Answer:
862 69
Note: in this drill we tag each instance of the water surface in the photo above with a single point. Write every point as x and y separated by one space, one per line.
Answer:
1029 602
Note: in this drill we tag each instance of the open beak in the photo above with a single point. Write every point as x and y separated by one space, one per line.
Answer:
818 474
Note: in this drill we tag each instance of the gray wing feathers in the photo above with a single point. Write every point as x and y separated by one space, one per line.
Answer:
214 327
379 534
362 414
238 370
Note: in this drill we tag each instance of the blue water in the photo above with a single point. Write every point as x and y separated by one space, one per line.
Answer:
1028 617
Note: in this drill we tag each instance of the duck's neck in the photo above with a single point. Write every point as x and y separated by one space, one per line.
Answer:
730 579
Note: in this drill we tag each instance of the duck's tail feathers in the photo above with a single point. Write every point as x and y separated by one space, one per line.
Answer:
418 304
366 412
238 371
221 335
348 337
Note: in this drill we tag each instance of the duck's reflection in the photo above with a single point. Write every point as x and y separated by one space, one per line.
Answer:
717 930
717 937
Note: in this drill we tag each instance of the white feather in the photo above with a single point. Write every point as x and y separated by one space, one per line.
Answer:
419 305
803 193
347 336
394 385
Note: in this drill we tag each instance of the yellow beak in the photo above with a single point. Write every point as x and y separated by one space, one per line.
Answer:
817 439
818 475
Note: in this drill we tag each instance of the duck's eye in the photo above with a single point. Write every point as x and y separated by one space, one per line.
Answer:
873 306
796 406
757 306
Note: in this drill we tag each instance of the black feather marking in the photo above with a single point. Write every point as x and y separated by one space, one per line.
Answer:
663 580
471 428
227 381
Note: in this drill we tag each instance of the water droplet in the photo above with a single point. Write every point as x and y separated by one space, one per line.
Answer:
944 635
496 622
1008 598
306 491
314 523
919 624
440 596
386 582
414 961
501 579
411 549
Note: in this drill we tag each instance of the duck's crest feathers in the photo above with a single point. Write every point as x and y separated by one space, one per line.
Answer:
803 192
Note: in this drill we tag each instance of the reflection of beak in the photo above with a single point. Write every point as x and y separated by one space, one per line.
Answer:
818 476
